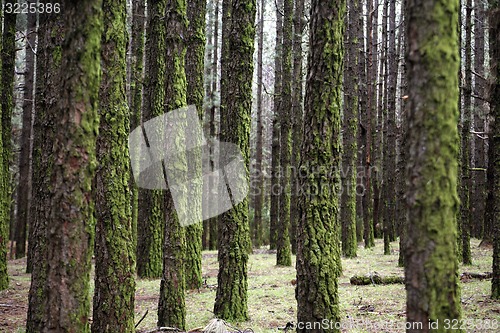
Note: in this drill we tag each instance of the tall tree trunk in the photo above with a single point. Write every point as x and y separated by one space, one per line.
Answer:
4 226
214 128
238 33
432 283
349 135
276 147
114 247
320 166
258 177
24 188
465 139
50 37
195 54
69 233
8 56
494 153
171 305
151 215
137 78
297 118
478 174
283 253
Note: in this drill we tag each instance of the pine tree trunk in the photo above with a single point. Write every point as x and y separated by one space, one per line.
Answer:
238 33
50 37
494 153
114 291
8 56
297 118
195 54
465 139
349 134
432 283
283 252
258 177
4 234
318 233
276 147
137 78
24 188
69 228
151 214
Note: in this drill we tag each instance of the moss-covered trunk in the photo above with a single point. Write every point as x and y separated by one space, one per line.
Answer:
70 214
318 255
151 214
8 56
171 305
297 118
494 154
283 251
349 135
195 54
114 246
275 148
432 283
238 33
50 35
136 90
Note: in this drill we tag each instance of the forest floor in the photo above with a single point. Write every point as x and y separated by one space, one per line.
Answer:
271 294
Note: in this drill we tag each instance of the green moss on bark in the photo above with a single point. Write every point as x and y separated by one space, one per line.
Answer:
318 256
432 283
114 246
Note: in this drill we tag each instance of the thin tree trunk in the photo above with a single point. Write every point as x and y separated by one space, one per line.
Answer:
24 188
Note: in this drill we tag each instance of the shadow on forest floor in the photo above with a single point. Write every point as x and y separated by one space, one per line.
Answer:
271 295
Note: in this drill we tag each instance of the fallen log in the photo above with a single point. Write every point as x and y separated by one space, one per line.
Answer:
365 280
480 276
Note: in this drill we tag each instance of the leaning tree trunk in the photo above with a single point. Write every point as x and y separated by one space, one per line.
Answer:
238 33
317 275
24 188
432 283
283 252
114 247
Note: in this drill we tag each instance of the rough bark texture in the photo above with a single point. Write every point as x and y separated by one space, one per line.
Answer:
136 89
24 188
195 54
283 252
238 33
8 56
349 134
50 35
171 305
258 177
465 183
69 218
151 214
114 247
318 250
494 154
297 118
4 235
432 284
275 149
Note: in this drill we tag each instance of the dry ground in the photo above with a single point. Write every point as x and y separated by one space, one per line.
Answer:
271 296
